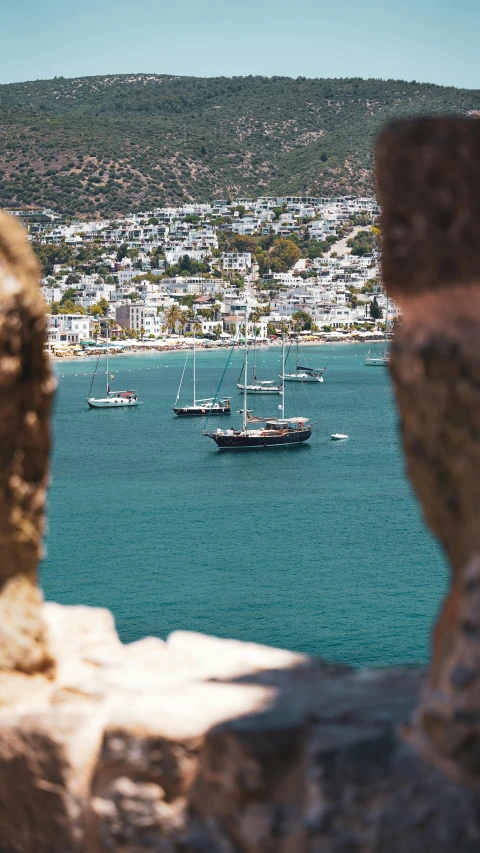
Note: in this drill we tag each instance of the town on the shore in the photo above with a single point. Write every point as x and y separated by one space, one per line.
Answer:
301 266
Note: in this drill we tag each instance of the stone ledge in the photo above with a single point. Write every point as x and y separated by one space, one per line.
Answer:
201 744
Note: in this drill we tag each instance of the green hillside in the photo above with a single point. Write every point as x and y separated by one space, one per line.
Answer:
117 143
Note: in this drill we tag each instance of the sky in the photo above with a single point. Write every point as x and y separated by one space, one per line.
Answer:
433 41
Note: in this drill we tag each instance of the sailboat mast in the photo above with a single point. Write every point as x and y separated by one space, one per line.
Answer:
245 394
298 356
194 371
283 376
386 330
107 356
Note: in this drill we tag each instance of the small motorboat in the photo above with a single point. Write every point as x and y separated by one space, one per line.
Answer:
339 436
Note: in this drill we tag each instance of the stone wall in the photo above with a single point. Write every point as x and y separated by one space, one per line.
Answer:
200 745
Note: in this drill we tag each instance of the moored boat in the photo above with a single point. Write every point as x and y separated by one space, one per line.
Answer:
302 373
276 433
257 386
199 408
266 387
380 360
113 399
273 432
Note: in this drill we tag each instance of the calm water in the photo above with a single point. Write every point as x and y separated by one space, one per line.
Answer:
319 548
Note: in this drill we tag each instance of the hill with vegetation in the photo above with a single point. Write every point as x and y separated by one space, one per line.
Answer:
118 143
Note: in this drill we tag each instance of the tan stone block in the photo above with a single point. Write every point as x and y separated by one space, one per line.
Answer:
220 658
46 766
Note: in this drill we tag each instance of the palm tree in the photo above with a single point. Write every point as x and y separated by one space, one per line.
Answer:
142 332
183 321
96 331
172 316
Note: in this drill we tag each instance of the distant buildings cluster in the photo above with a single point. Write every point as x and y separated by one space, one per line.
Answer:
174 270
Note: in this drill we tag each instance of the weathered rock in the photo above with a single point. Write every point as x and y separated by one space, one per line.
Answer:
178 747
429 179
26 388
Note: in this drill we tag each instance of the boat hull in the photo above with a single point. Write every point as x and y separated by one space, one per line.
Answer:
258 389
195 412
302 377
377 362
245 441
111 404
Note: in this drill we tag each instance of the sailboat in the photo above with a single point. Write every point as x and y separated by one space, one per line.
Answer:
114 399
380 360
257 386
207 405
275 432
302 374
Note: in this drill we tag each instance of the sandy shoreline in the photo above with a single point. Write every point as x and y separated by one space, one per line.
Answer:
113 353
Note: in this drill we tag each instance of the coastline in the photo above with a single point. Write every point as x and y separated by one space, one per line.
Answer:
148 350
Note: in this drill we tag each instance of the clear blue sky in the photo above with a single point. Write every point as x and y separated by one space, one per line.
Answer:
426 40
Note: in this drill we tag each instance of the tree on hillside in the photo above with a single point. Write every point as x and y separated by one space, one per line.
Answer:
188 300
280 256
363 244
68 294
243 243
70 307
303 320
283 254
72 278
50 255
101 307
376 312
122 252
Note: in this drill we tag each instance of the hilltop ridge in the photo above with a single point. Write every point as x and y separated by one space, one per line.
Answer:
115 143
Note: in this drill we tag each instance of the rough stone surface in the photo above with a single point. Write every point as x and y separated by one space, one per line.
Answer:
429 178
183 747
26 388
429 184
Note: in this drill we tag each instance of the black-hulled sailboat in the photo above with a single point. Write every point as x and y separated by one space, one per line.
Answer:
267 432
199 408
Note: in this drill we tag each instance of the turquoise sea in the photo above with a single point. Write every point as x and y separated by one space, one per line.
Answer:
319 548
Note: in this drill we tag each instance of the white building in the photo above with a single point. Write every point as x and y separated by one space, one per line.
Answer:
236 262
124 276
67 328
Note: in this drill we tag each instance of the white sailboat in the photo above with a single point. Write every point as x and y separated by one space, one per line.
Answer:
257 386
113 399
302 374
380 360
199 408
